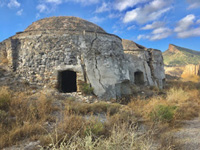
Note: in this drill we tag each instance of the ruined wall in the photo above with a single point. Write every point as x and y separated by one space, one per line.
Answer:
150 63
53 45
157 67
39 56
144 63
138 63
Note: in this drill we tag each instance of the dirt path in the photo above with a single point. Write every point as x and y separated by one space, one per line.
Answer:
188 136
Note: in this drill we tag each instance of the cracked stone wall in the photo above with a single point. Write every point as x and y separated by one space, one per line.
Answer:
147 61
56 44
97 58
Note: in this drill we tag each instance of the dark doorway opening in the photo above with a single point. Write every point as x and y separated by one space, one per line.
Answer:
139 78
67 81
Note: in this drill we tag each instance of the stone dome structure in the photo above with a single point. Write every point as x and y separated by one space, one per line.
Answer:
64 23
64 52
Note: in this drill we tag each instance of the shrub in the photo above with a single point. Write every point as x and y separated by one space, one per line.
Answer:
163 113
95 127
86 88
177 94
5 98
94 108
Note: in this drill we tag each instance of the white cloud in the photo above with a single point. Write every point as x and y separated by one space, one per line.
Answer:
189 33
47 6
185 23
42 8
186 27
193 4
131 27
112 15
124 4
84 2
142 36
161 30
157 34
149 12
19 13
160 36
160 33
14 4
96 19
104 7
154 25
57 2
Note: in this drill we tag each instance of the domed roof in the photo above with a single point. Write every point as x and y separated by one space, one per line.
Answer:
64 23
131 46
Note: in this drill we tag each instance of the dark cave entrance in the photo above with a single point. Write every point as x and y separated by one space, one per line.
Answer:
139 78
67 81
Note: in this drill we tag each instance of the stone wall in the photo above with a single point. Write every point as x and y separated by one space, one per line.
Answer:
148 62
97 58
51 46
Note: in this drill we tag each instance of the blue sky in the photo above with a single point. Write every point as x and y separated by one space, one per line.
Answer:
152 23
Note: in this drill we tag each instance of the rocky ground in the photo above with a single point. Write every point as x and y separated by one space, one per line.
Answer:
188 136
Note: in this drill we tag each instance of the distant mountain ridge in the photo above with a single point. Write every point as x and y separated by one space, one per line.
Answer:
179 56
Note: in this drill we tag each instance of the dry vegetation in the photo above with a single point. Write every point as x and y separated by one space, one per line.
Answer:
68 124
192 78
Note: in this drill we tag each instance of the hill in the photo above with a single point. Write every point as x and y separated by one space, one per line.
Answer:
179 56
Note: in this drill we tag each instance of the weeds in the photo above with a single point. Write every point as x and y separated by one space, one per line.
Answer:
163 113
5 98
94 108
177 95
21 118
122 137
76 127
86 88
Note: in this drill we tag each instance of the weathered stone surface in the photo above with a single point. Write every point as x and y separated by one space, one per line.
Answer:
53 45
64 23
130 45
145 65
96 57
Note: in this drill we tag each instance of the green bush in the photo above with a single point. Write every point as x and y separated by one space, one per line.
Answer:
97 128
86 88
163 113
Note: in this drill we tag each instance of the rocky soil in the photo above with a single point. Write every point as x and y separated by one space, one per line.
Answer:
188 136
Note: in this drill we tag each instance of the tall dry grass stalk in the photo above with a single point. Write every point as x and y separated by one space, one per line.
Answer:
122 137
24 117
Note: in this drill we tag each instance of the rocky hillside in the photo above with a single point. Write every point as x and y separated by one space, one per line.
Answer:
179 56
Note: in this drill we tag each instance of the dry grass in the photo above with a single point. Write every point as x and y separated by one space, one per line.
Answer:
193 78
94 108
123 137
24 118
185 96
76 125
